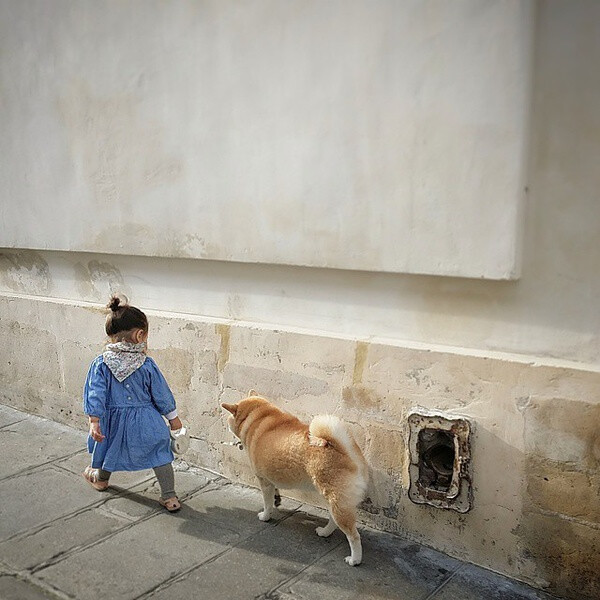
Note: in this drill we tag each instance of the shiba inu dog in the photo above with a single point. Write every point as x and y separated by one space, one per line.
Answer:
288 454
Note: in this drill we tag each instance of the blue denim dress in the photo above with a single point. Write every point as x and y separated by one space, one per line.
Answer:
137 437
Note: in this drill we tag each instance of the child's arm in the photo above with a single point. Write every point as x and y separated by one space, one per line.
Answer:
94 398
163 397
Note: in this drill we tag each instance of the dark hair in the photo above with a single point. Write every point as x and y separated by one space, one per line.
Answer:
123 317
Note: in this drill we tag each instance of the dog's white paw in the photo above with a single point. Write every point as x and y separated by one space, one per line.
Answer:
264 515
352 561
323 532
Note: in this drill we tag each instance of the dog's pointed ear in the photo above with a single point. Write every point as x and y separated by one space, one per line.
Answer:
232 408
252 393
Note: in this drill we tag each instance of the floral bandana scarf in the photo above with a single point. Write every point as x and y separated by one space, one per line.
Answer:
123 358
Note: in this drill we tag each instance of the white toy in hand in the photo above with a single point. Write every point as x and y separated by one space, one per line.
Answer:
180 440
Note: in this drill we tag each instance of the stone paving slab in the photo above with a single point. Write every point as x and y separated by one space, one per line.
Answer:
59 537
76 463
15 588
142 500
115 512
37 497
34 441
237 507
473 583
141 557
10 415
65 538
391 568
260 563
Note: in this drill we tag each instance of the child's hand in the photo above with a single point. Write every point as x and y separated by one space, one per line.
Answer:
95 432
175 423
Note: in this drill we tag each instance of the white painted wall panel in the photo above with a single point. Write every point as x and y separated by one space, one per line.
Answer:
370 135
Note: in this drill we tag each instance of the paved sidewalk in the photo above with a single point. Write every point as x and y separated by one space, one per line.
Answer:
59 538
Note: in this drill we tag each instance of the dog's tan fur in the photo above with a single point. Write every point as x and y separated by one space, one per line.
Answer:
287 453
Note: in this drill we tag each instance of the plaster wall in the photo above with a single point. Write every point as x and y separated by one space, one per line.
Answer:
550 311
383 136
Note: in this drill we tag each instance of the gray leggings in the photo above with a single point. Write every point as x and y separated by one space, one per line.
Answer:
164 474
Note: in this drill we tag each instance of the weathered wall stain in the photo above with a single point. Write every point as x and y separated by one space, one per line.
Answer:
362 349
81 278
223 357
115 148
565 554
360 397
170 243
271 383
25 271
98 280
24 365
573 427
177 365
558 488
561 524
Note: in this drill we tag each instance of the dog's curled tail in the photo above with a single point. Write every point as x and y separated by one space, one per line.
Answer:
329 429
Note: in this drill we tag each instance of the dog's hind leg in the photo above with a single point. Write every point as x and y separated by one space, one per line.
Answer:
328 529
345 518
277 498
268 492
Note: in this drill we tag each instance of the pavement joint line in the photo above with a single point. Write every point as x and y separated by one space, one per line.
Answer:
465 565
26 576
117 493
297 575
63 468
181 575
5 569
30 575
33 468
121 493
278 595
44 585
116 514
11 424
445 582
60 556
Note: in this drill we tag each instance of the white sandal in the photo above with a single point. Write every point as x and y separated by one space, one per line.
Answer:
91 476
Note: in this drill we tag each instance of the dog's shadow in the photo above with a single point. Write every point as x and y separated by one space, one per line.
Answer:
289 545
288 535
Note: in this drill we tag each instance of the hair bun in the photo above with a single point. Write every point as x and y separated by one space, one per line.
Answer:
116 301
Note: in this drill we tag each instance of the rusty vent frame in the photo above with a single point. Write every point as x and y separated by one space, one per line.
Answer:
459 494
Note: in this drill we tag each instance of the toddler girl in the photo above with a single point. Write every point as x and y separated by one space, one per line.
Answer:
124 397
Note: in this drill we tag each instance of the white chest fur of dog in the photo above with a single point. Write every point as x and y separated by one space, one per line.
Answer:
286 453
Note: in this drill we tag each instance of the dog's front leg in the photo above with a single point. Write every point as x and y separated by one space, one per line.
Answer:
268 492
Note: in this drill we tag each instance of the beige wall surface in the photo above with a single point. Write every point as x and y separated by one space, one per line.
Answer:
535 442
381 136
549 311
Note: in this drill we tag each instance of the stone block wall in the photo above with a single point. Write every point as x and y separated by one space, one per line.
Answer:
536 440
